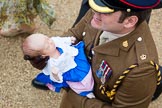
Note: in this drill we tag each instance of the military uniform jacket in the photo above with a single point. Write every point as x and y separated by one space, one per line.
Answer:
137 88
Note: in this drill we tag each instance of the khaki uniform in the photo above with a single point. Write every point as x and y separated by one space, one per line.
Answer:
137 88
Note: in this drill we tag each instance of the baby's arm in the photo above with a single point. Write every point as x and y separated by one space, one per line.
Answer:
66 40
55 74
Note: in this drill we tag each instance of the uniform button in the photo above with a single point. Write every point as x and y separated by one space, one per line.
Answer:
139 39
93 52
84 33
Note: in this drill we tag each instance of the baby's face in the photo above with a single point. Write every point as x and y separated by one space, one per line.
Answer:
49 47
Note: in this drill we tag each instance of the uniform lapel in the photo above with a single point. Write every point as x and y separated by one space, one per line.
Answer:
123 43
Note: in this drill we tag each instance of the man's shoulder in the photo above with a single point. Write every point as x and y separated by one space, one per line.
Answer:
144 45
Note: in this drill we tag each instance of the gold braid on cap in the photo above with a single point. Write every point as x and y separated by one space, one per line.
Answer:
111 94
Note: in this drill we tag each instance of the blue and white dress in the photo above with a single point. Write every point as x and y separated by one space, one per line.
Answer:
73 67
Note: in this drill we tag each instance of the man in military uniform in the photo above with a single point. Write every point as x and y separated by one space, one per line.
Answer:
120 47
127 47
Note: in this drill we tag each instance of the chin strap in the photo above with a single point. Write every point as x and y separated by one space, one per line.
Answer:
111 94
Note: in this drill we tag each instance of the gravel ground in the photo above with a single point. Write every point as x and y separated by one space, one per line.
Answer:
16 74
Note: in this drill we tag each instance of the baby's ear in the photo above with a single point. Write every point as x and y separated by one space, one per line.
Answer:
43 56
27 57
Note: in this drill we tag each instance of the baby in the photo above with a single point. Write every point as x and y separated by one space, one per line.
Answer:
67 65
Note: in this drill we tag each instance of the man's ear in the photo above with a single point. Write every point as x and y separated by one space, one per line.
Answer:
130 21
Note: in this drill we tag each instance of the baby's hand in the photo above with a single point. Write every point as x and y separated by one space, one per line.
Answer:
55 73
73 39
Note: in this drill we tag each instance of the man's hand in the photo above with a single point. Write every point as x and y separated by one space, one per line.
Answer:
73 39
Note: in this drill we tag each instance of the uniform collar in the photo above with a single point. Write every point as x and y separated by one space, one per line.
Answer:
123 43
